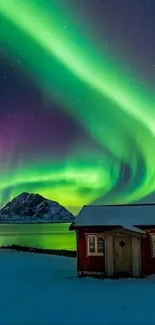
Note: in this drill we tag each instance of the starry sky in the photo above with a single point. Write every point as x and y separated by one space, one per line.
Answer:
77 94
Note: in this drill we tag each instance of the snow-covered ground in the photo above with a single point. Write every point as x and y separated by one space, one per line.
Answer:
42 289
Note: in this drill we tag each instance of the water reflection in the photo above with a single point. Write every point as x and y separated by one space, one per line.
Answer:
52 236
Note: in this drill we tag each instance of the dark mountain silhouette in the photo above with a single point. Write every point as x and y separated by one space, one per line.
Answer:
28 207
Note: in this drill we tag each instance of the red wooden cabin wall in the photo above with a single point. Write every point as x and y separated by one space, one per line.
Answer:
97 263
87 263
147 260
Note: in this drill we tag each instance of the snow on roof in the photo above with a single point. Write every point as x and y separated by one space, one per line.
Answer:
133 229
116 215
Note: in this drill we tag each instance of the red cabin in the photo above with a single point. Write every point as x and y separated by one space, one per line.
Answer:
115 240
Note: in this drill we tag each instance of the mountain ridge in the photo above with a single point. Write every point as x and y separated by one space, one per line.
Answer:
34 208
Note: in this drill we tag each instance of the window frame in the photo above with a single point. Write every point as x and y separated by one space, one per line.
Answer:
96 253
152 245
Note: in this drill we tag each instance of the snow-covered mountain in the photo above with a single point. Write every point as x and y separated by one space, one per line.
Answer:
34 208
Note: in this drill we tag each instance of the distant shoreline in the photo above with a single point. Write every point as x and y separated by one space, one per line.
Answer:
33 222
59 252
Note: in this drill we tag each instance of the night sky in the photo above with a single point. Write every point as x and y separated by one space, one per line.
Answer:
77 100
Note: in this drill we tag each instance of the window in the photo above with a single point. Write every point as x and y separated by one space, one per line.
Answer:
100 245
153 245
95 245
91 244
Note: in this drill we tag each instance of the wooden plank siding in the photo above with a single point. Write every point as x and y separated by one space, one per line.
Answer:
88 263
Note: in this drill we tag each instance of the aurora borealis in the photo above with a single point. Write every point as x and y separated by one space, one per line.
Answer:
77 100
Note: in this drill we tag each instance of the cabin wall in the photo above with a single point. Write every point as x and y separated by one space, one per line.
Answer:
147 262
97 263
88 263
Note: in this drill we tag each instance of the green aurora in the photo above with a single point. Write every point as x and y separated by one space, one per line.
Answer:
117 116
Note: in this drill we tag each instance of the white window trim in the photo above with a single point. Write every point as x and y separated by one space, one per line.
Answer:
87 240
152 245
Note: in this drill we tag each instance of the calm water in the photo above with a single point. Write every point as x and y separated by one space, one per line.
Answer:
54 236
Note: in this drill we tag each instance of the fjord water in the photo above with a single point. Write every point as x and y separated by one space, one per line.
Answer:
49 236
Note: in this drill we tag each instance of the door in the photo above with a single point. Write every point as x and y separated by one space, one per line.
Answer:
122 253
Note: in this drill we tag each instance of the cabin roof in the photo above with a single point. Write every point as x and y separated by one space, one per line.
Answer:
126 216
